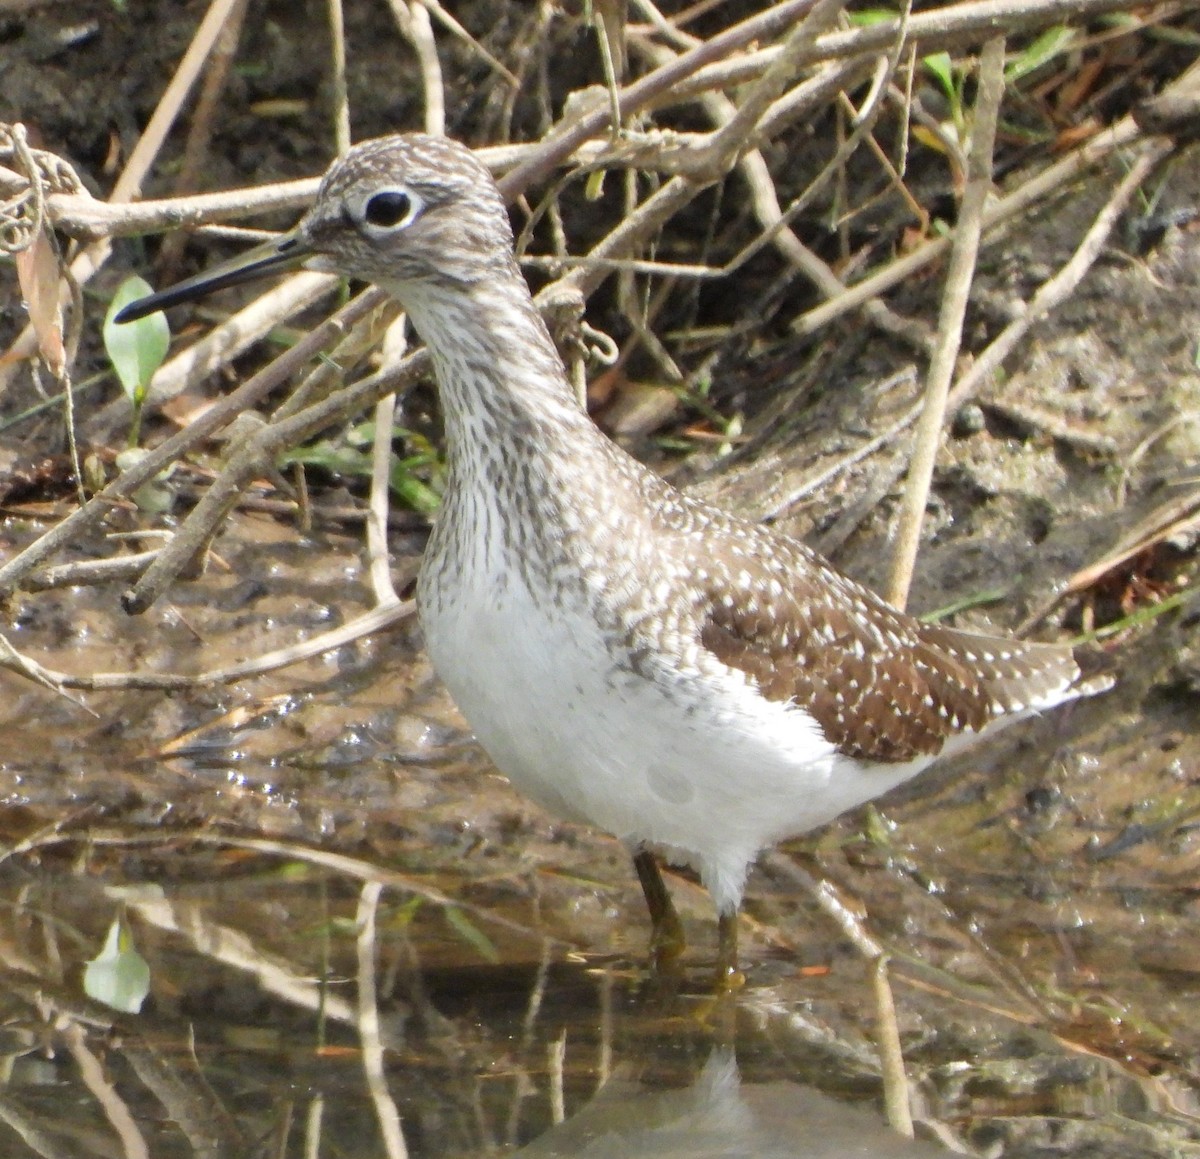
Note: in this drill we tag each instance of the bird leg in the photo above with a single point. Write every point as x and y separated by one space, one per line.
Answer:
729 977
667 942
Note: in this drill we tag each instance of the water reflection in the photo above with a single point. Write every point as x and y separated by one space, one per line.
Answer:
307 1003
380 958
293 1012
719 1117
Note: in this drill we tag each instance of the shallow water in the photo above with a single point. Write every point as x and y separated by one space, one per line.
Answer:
355 932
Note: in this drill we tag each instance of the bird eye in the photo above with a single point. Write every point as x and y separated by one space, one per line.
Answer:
388 209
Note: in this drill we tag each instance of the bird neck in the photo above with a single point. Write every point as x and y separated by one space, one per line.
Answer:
504 390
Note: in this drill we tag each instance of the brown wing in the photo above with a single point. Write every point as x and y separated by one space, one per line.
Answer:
882 685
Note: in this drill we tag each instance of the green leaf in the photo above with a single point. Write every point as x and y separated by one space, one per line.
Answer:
342 456
413 492
403 916
136 349
471 934
1051 42
331 455
941 67
118 976
869 16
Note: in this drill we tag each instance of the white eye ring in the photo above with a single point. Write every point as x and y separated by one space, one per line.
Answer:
388 210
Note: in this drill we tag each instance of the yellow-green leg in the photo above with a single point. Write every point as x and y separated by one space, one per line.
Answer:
667 942
729 977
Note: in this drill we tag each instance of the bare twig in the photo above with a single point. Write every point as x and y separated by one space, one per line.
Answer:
368 624
1004 209
775 220
1053 292
891 1058
142 157
94 511
954 308
103 1089
195 148
413 20
945 27
381 475
341 97
355 868
447 21
559 145
386 1114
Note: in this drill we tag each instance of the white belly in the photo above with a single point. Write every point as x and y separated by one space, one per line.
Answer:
698 768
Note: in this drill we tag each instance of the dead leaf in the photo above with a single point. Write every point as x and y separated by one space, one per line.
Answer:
38 275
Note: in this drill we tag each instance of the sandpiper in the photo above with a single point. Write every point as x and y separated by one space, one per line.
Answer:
695 684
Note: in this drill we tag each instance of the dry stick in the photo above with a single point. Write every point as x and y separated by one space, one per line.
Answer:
1049 296
27 1128
195 148
446 20
187 1101
945 27
891 1057
665 27
415 26
103 1089
313 1120
87 219
556 1057
144 152
394 344
93 512
341 98
377 510
88 572
562 142
1091 153
369 1036
169 104
1056 289
896 1099
634 229
23 665
825 894
950 322
342 863
732 137
179 1084
329 375
608 22
378 619
433 83
776 220
664 155
1045 183
253 456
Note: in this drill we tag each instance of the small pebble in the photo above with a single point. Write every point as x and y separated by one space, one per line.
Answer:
968 420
